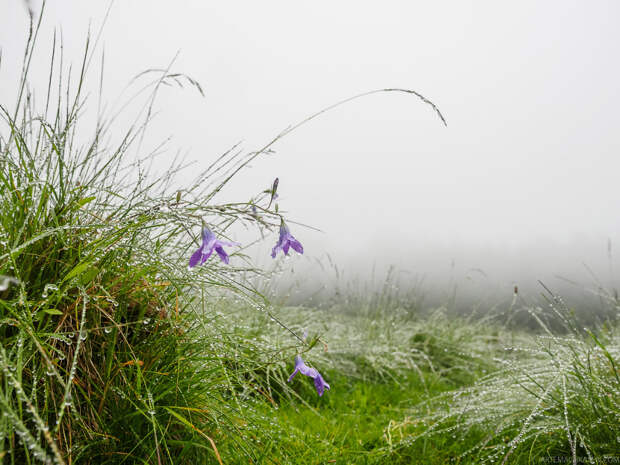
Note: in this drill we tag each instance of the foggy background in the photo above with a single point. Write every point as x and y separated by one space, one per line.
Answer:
521 185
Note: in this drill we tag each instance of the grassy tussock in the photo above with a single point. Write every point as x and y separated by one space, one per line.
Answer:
107 354
555 396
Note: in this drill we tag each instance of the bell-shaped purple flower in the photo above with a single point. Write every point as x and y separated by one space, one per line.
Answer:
285 241
209 244
304 369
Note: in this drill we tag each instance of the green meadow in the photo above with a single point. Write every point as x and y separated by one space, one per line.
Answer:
114 351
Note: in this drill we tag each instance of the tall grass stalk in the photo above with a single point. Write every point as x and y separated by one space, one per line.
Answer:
108 354
112 349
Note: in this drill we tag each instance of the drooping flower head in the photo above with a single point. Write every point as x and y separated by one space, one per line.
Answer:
209 244
304 369
273 191
285 241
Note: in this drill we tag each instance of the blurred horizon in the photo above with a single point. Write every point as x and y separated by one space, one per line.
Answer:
520 185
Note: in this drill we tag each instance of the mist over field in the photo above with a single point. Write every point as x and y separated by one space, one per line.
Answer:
464 279
521 184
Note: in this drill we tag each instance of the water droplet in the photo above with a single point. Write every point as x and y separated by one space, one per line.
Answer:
107 330
48 288
6 281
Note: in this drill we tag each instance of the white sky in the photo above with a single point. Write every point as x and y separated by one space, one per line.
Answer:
529 160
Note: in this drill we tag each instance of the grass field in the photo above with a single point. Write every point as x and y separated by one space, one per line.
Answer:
113 350
440 389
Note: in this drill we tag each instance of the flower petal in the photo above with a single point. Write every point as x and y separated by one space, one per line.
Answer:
222 253
205 255
195 258
290 378
285 247
275 250
320 385
296 245
305 369
228 243
207 235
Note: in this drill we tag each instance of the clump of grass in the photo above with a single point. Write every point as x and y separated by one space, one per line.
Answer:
556 397
105 355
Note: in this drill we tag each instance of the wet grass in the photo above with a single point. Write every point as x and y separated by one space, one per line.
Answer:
483 394
113 351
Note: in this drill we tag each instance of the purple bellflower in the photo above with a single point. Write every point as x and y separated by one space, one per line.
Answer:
209 244
285 241
304 369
